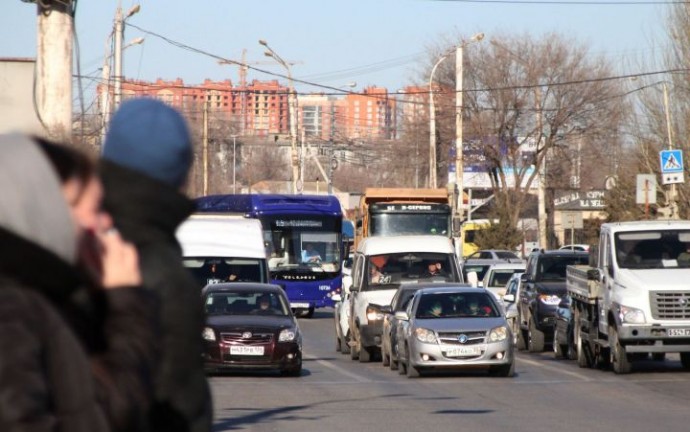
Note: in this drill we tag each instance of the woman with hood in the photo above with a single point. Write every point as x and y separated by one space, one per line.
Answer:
53 376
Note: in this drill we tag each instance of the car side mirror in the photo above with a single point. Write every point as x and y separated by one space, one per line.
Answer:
386 309
336 297
564 304
402 316
524 277
509 298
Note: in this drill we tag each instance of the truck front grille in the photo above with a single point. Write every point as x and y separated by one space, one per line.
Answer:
670 305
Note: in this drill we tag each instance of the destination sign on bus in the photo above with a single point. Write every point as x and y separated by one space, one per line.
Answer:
299 223
410 208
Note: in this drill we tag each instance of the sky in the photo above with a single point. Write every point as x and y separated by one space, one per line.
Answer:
370 42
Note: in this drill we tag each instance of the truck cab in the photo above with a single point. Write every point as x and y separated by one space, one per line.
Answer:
635 300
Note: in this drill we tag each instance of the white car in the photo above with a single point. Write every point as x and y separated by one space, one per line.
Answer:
382 264
510 304
341 317
575 247
498 275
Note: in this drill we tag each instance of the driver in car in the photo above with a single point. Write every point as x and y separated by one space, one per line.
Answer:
309 254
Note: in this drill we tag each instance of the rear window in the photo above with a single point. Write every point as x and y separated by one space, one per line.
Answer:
506 255
500 278
457 305
552 268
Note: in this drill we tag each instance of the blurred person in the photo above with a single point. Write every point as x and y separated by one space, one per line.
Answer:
146 158
309 254
434 269
115 324
46 376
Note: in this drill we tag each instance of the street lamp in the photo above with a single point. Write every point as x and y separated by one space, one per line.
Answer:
292 109
432 125
458 122
105 93
234 164
119 34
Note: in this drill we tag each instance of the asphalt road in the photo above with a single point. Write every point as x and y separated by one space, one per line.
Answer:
335 393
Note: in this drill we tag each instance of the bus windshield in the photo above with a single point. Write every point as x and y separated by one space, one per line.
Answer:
391 224
298 244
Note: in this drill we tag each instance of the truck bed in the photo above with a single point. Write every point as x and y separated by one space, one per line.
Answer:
579 286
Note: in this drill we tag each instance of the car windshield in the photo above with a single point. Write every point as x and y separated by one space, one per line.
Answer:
653 249
457 305
407 267
246 303
479 269
506 255
500 278
213 270
552 268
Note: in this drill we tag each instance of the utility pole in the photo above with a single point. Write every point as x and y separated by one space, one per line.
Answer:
459 169
54 68
119 36
541 190
673 206
204 140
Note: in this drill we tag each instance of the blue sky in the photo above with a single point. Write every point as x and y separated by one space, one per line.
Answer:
368 41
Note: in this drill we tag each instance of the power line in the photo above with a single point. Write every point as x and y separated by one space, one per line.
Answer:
572 2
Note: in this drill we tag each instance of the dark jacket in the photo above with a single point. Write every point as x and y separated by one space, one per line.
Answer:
46 382
147 213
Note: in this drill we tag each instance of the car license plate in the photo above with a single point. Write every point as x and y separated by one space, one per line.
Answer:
464 351
299 305
247 350
674 332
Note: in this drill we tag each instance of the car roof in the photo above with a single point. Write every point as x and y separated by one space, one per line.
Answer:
242 287
508 266
562 252
450 287
401 244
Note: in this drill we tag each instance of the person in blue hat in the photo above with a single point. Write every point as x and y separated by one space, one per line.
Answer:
146 159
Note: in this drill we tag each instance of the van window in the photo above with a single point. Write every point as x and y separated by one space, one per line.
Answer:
213 270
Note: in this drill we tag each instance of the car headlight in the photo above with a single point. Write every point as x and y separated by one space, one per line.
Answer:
287 335
208 334
374 314
551 300
426 336
630 315
498 334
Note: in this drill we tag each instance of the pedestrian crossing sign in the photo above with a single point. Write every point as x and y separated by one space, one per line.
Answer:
671 166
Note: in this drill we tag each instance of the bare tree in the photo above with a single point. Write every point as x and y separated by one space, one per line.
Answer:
527 98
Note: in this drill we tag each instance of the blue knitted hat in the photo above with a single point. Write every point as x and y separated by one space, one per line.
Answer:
148 136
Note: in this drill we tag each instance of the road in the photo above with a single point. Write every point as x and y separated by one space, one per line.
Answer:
335 393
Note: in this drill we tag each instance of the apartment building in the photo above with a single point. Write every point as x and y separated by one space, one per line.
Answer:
371 114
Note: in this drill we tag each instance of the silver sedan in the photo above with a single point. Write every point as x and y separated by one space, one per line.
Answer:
454 326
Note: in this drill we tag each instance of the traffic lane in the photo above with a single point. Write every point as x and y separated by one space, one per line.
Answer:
336 393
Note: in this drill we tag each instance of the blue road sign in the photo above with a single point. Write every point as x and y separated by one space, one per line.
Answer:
671 161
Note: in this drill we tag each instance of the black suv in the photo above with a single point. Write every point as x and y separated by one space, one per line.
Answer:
543 289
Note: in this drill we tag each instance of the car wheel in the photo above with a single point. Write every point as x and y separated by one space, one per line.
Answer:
345 345
364 355
505 371
309 313
559 350
292 372
535 337
685 360
338 340
659 357
412 372
521 344
354 348
584 360
385 357
572 350
619 358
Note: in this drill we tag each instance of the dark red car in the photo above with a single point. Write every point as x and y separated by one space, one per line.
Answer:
250 326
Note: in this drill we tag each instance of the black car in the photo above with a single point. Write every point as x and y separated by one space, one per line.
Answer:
389 338
250 326
543 288
563 344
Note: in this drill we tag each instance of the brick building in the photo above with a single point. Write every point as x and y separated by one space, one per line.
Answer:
371 114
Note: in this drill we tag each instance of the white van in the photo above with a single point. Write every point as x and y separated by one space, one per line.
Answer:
223 248
381 265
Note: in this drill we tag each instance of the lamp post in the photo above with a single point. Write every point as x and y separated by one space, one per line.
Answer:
458 122
234 164
105 93
292 109
432 125
119 34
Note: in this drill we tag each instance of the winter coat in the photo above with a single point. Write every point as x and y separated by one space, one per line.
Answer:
147 213
46 382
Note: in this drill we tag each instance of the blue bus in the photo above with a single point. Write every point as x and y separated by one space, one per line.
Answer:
302 235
